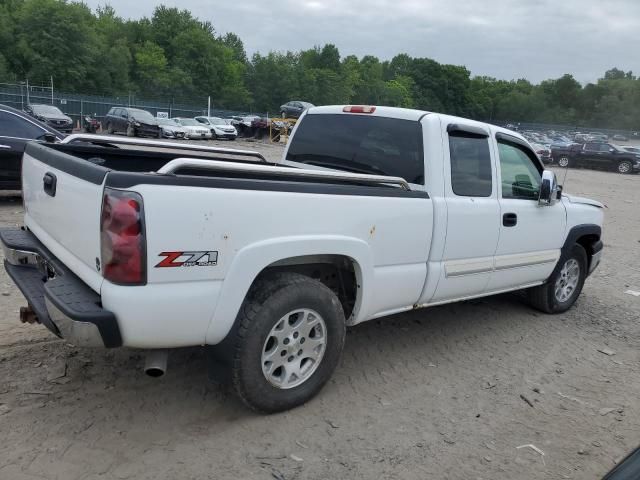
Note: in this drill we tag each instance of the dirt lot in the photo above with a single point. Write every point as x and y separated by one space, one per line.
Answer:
448 393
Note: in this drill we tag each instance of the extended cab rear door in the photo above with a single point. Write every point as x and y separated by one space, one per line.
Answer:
473 211
530 235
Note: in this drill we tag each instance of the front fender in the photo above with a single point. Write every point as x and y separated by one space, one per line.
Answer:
253 259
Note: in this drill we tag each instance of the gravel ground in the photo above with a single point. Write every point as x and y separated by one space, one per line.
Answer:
449 392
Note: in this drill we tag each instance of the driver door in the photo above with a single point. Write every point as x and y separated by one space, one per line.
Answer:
531 235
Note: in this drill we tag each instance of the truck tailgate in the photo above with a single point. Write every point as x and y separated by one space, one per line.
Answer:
63 199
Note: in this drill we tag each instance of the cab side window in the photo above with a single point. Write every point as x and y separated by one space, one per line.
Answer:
470 165
520 174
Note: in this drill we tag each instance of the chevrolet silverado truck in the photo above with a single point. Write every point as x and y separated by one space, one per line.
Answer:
370 212
597 155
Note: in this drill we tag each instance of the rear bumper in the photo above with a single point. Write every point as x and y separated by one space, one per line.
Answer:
62 302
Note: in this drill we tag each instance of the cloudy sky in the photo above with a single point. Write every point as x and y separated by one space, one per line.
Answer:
534 39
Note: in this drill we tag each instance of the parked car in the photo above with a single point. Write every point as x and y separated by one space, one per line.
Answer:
193 128
50 115
635 150
597 137
132 121
543 152
220 128
171 129
294 108
620 138
243 125
16 130
267 264
598 155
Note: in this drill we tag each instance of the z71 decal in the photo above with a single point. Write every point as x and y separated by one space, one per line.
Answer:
188 259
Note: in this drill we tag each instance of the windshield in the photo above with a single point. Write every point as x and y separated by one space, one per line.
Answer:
141 115
167 121
361 144
46 110
216 121
189 122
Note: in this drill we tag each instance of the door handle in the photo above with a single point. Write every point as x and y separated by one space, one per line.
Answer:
509 219
49 182
5 147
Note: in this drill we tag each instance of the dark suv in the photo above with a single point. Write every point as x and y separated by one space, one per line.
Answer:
132 121
50 115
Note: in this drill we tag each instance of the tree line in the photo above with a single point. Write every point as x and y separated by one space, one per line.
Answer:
174 54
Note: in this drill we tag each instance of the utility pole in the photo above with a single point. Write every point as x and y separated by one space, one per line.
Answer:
28 101
51 89
209 106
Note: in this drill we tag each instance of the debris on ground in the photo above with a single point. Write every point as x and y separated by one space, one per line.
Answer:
526 400
4 409
301 445
535 449
332 424
635 293
56 371
296 458
606 351
606 411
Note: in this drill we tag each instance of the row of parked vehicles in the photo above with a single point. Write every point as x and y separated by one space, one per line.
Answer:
592 150
135 122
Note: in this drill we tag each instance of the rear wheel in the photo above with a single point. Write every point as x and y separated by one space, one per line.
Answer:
290 336
564 161
564 285
625 166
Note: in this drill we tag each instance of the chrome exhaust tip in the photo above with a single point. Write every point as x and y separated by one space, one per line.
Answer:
155 364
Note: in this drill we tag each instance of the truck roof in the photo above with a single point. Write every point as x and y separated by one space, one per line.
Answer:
410 114
390 112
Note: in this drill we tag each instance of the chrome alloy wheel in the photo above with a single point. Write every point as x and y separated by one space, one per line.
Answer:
294 348
568 280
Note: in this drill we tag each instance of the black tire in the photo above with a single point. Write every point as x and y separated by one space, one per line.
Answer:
624 167
564 161
544 297
109 129
268 301
131 131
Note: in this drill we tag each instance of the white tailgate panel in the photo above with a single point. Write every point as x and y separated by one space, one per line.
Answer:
68 223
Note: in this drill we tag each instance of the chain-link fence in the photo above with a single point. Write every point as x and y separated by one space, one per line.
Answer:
77 105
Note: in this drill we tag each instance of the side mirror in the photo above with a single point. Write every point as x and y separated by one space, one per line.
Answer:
548 189
612 150
49 137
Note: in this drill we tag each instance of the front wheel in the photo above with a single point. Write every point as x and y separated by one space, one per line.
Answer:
564 285
131 131
290 334
625 166
564 161
109 129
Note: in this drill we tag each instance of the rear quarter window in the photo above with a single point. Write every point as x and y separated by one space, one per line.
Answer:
361 144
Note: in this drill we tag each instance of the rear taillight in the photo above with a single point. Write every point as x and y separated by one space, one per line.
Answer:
359 109
122 240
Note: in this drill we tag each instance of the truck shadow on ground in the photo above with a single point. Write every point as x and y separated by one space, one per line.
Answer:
379 356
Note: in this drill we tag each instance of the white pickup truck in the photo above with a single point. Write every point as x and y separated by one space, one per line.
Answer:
371 211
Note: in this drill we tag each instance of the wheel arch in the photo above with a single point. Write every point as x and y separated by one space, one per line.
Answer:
328 255
586 235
